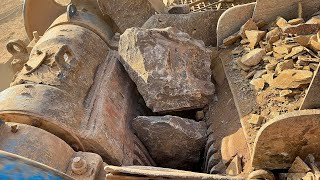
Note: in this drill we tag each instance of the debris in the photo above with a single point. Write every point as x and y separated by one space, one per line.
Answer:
258 84
249 25
254 57
163 65
282 23
302 29
231 39
296 21
234 167
299 166
256 119
292 79
254 37
199 115
172 142
287 64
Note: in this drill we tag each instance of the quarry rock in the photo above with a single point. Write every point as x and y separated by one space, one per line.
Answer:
292 79
254 57
173 142
171 69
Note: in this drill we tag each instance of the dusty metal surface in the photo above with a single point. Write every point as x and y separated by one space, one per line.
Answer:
284 138
312 99
268 11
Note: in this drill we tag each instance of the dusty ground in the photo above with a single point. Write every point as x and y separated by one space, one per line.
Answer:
11 27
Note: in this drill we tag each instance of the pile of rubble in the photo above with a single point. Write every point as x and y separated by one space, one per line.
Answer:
279 59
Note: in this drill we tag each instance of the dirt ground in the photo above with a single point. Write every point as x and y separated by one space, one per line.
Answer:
11 27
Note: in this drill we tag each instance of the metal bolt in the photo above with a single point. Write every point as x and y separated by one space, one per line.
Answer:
14 129
79 166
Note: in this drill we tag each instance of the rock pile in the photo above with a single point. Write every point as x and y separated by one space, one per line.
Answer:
279 60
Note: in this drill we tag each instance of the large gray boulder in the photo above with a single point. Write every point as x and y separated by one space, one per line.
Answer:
171 69
172 142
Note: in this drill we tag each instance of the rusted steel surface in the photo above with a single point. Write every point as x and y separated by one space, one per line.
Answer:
268 11
39 14
232 19
312 99
36 144
74 87
284 138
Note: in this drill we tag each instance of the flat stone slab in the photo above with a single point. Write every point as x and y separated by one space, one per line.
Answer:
281 140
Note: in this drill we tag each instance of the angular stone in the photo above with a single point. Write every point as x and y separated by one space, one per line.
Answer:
295 51
299 166
283 49
121 12
200 25
302 29
258 84
249 25
242 66
173 142
314 45
287 64
259 74
314 20
254 57
288 79
234 167
296 21
256 119
171 69
313 66
285 93
179 9
273 35
254 37
282 23
268 78
302 40
231 39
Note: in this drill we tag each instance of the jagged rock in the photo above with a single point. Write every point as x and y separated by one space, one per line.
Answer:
249 25
231 39
258 84
124 12
292 79
171 70
235 167
273 35
296 21
282 23
256 119
254 37
172 141
287 64
302 29
200 25
254 57
299 166
302 40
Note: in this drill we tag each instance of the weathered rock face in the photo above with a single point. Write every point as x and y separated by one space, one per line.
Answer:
172 142
199 25
171 70
123 13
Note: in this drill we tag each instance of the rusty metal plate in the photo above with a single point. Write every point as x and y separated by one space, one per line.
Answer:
284 138
231 20
312 99
39 14
268 11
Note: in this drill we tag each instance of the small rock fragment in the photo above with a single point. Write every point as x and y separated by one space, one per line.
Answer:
234 167
314 20
231 39
287 64
242 66
295 51
268 78
288 79
296 21
258 84
283 49
314 45
254 37
249 25
299 166
313 66
256 119
199 115
179 9
285 93
302 40
173 142
254 57
282 23
251 74
259 74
